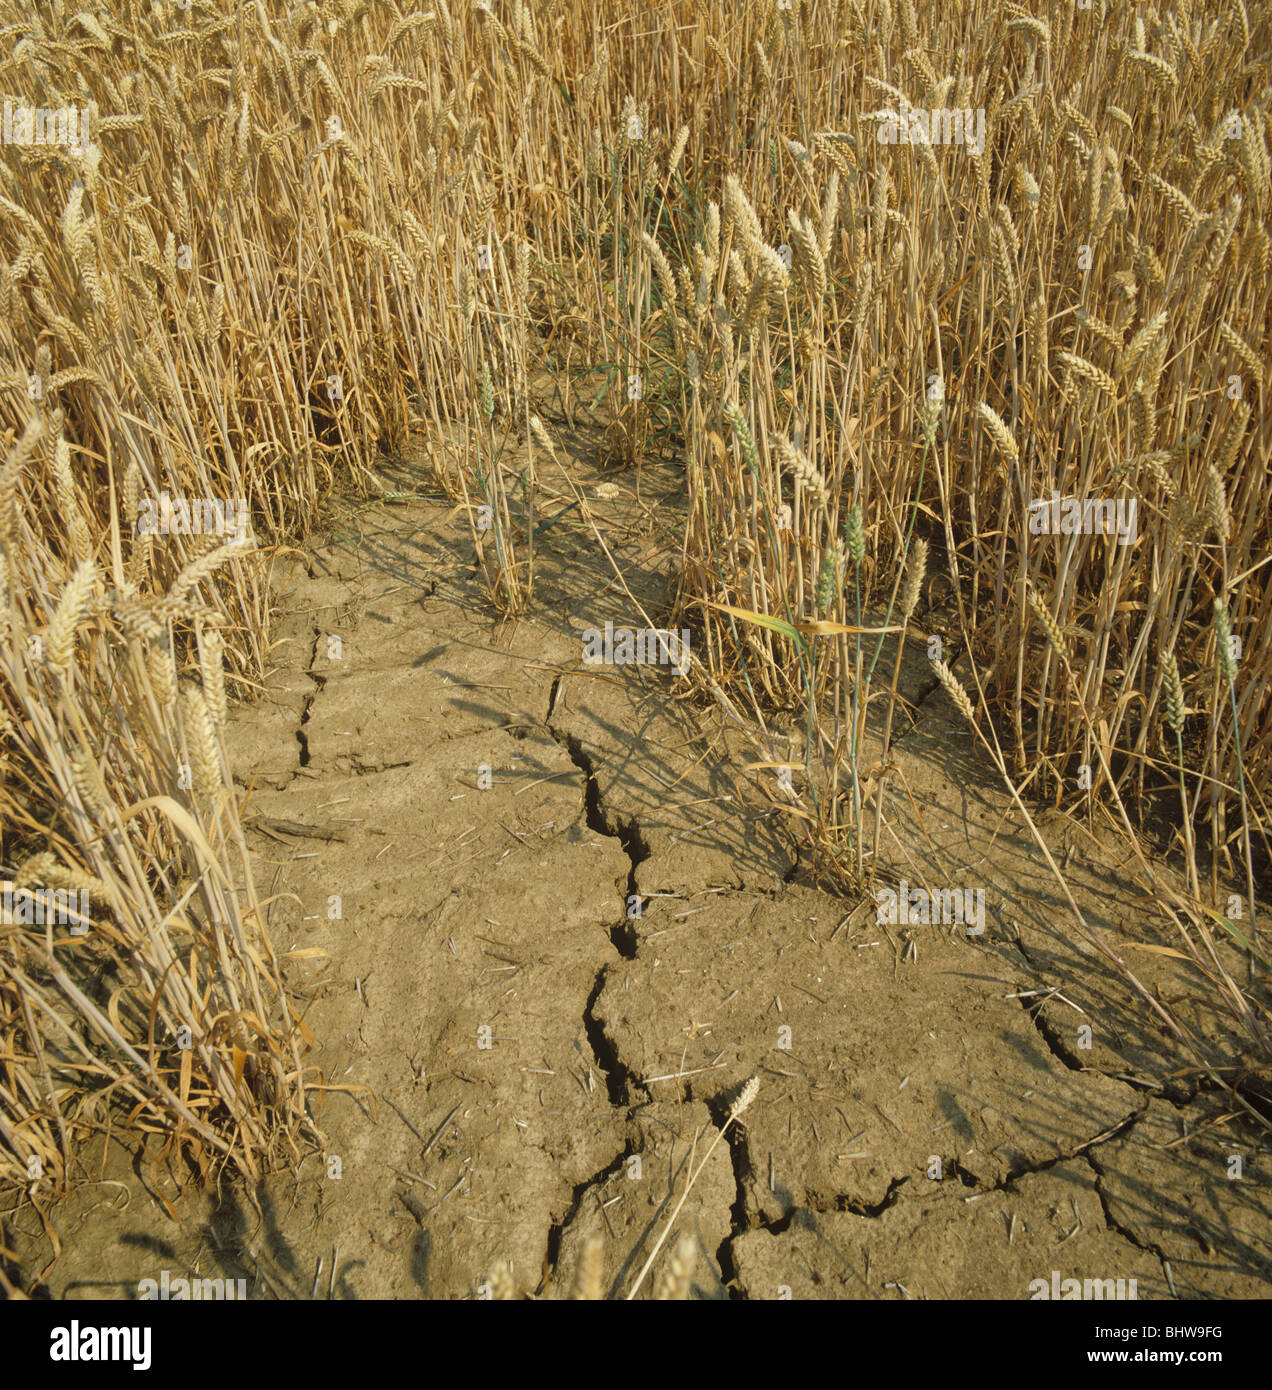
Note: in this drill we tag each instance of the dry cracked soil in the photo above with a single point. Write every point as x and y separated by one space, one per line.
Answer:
544 930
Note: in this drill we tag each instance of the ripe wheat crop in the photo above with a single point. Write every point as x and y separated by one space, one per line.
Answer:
887 276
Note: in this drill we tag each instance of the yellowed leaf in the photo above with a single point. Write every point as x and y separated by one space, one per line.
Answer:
1156 950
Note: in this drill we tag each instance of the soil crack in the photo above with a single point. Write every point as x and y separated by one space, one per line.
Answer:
1112 1222
739 1222
558 1228
1041 1165
618 1077
320 684
625 831
1050 1035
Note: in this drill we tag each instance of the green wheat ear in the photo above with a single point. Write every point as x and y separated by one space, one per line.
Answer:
829 576
855 536
825 581
746 440
1223 633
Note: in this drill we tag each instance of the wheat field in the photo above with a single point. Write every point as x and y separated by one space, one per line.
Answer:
964 303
